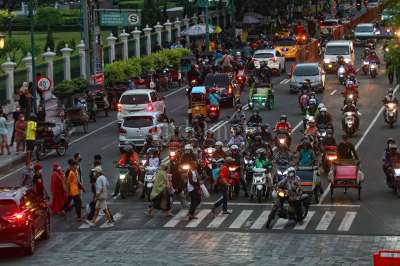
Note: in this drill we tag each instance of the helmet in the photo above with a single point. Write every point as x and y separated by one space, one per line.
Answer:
311 120
234 147
264 127
323 109
258 137
149 137
291 171
390 141
128 149
313 101
260 151
283 118
219 144
320 106
188 147
189 130
392 146
238 53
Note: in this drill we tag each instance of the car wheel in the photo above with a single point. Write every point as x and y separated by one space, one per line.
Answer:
30 245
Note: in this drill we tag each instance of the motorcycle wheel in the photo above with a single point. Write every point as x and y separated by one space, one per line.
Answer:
40 152
62 148
391 124
316 195
259 196
305 213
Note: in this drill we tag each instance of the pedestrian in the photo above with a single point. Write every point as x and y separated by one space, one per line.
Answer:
194 190
78 159
223 185
101 198
29 100
27 175
41 114
3 133
92 177
37 181
20 127
74 189
161 193
15 116
30 137
22 99
58 189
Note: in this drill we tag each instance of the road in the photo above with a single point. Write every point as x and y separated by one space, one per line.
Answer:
345 219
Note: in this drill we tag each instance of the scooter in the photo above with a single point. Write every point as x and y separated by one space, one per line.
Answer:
341 74
213 113
234 180
261 186
373 70
149 177
329 157
393 179
128 183
287 212
365 67
349 126
283 138
390 114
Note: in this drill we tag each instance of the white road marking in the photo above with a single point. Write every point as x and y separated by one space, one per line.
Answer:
176 219
347 221
241 219
333 92
325 221
306 221
218 220
284 81
220 125
108 145
280 224
271 204
219 122
297 126
175 91
200 217
327 190
261 220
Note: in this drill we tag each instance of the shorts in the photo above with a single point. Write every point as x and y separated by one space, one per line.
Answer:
101 204
30 145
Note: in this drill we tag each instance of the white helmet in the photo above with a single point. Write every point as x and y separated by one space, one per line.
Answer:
219 143
323 109
188 147
234 147
320 106
291 170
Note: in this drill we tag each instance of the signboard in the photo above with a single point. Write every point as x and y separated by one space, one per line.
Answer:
119 17
43 84
98 79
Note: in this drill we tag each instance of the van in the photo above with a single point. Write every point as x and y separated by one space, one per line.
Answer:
337 48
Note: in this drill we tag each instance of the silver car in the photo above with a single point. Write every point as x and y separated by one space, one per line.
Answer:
135 127
311 71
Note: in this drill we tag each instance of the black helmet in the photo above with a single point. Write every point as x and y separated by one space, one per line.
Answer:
149 137
283 117
390 141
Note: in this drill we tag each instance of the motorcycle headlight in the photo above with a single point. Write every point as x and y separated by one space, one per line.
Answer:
327 60
282 141
373 66
122 176
365 62
279 172
281 194
144 162
351 96
347 60
172 153
185 167
391 105
341 70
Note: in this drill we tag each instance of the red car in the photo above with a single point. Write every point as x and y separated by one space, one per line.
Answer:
24 218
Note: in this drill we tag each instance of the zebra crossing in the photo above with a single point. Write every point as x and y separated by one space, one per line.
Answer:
242 218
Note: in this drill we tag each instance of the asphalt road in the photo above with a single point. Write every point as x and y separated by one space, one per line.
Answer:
374 215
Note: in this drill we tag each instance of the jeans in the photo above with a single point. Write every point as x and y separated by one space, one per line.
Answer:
223 199
77 204
194 201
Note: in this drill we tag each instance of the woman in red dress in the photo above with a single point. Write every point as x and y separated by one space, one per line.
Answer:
58 190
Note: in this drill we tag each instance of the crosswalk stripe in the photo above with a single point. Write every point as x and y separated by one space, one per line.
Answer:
306 221
116 217
241 219
280 224
261 220
200 217
325 221
218 220
176 219
347 221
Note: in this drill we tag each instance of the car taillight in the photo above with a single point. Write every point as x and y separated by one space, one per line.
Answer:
119 107
153 130
230 89
122 131
149 107
17 217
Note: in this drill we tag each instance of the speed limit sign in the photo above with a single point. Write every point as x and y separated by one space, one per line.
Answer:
43 84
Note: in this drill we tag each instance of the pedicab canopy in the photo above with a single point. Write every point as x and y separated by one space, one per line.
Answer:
199 90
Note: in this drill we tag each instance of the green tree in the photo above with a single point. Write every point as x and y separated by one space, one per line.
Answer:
49 18
16 49
150 13
7 17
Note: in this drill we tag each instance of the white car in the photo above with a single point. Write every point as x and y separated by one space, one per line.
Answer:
136 100
135 127
274 59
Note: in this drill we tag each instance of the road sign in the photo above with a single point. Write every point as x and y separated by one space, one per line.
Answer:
43 84
119 17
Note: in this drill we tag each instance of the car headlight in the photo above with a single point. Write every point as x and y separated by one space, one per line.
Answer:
327 60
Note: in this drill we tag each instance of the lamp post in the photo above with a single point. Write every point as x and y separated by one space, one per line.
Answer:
34 94
2 41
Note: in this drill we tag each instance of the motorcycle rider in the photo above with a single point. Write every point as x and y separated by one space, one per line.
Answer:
236 139
219 151
346 150
390 98
149 143
213 97
193 75
329 139
323 117
188 156
255 118
350 70
305 153
266 136
392 158
312 106
210 139
373 57
260 144
389 142
199 128
311 128
365 53
350 107
239 117
128 158
262 160
237 157
283 124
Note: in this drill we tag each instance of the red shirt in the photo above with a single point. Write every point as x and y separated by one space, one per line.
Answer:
223 175
283 126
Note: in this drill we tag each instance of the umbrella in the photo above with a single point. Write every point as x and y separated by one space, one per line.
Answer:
250 20
197 30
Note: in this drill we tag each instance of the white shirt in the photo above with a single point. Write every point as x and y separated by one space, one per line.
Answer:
190 188
101 187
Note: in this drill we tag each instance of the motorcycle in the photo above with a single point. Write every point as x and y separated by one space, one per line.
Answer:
303 101
51 136
283 138
393 179
341 74
234 180
390 114
213 113
349 125
287 212
365 67
128 183
306 119
373 69
350 94
248 167
149 177
329 157
261 185
281 171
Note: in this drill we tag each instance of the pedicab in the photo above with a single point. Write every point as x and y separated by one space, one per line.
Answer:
99 97
345 174
261 96
50 136
200 106
77 116
310 182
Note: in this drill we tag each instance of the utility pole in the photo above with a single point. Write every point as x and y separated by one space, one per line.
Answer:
86 39
34 92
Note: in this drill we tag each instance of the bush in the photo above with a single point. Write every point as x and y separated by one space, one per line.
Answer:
69 87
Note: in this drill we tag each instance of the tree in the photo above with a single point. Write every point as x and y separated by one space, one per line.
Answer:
16 49
50 18
6 18
150 13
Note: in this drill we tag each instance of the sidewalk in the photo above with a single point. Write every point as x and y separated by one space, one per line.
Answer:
7 162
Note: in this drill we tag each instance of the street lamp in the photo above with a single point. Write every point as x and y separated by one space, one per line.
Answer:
2 40
34 94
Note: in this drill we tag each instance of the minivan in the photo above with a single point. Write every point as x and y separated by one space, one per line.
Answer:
333 49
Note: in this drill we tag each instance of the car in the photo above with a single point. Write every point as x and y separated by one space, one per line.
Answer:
24 218
311 71
333 49
135 127
223 83
329 24
365 32
274 59
132 101
287 47
386 15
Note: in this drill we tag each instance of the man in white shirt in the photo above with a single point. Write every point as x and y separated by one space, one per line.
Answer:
101 197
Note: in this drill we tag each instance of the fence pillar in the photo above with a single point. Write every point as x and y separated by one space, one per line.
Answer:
224 19
82 54
168 27
111 42
66 53
124 38
8 68
49 59
158 28
136 35
178 25
186 22
28 63
147 34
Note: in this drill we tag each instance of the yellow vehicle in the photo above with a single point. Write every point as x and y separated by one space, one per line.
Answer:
287 47
283 34
198 101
